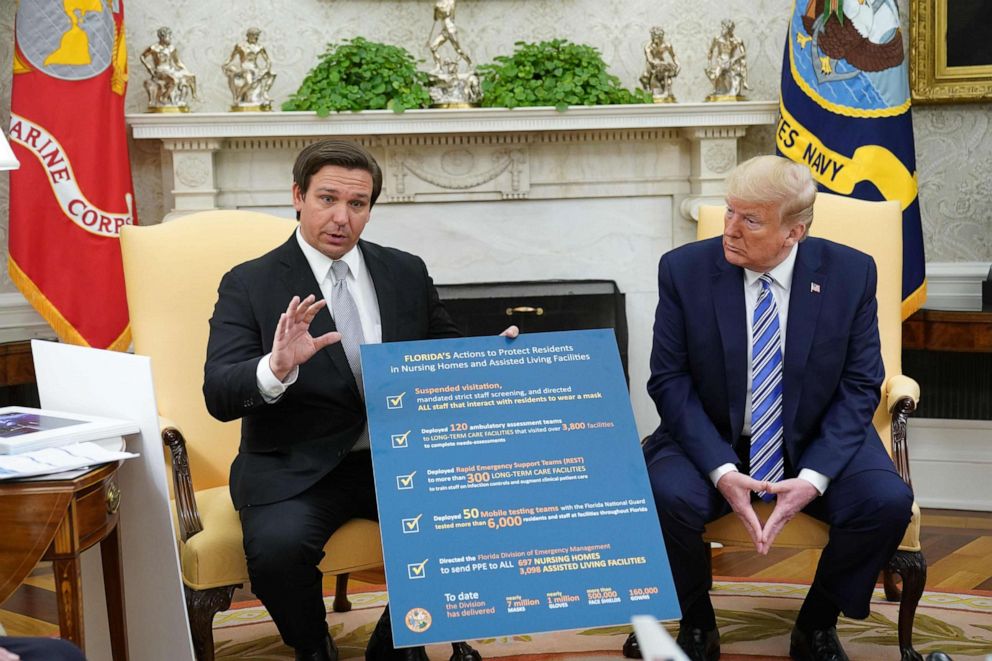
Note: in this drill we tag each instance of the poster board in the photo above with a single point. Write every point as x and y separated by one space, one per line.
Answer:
512 492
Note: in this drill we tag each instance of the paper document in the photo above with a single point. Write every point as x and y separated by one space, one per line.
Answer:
57 460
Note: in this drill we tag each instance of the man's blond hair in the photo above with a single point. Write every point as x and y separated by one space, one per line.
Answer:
776 180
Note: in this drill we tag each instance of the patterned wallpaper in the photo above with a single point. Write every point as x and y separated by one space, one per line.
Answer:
954 143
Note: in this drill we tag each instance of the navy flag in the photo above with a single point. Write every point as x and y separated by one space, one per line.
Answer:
845 113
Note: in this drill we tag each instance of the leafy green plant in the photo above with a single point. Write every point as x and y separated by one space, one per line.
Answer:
555 73
362 75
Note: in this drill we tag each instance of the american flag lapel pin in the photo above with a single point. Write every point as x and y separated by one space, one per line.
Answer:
814 287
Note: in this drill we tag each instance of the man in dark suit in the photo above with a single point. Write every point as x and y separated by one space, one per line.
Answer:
766 371
292 373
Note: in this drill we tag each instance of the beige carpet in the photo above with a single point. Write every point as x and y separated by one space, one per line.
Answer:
754 619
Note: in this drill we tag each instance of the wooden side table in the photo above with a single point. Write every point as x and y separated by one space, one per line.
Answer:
57 520
950 354
939 330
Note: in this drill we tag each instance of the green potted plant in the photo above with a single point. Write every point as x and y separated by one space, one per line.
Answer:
555 73
361 75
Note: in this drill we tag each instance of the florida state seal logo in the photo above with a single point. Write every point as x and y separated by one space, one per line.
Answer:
418 620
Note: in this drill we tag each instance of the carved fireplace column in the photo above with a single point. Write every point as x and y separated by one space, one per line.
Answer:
193 180
714 154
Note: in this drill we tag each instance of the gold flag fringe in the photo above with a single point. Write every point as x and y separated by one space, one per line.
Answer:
65 330
914 301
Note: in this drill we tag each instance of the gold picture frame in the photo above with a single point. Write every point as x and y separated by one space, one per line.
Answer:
931 78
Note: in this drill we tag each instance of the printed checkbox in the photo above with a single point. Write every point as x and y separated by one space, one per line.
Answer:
411 526
417 570
395 401
404 482
400 440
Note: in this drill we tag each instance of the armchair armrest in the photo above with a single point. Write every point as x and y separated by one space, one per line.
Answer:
901 395
182 480
900 387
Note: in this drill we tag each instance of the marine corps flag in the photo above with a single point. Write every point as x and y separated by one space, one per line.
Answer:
845 113
73 192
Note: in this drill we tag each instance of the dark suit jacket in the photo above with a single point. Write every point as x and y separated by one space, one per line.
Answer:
288 445
832 364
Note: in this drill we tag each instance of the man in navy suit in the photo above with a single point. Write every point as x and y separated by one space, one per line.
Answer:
283 357
766 371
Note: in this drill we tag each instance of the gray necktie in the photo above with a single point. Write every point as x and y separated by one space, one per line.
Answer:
349 324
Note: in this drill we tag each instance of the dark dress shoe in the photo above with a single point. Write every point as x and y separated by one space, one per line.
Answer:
327 652
817 645
631 648
699 644
464 652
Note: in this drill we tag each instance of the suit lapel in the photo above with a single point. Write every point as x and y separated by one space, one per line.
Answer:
804 312
385 286
731 316
299 280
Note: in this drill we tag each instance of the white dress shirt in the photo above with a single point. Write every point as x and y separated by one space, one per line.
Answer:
781 287
362 290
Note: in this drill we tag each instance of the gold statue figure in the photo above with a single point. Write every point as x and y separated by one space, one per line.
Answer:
249 74
444 11
727 68
171 84
660 68
449 87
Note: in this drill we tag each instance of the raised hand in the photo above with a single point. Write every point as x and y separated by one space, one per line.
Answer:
293 345
736 489
791 496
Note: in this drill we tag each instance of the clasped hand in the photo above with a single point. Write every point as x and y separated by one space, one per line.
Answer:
792 496
293 345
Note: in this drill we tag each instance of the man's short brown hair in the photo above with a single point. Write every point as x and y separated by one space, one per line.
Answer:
348 155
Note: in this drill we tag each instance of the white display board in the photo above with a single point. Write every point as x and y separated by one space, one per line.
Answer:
119 385
654 641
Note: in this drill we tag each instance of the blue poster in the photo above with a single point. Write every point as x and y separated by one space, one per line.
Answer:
512 492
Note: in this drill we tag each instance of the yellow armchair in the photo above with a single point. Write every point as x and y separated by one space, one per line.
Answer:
171 273
874 228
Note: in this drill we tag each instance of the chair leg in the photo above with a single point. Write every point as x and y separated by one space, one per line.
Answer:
893 592
912 566
709 562
341 603
202 605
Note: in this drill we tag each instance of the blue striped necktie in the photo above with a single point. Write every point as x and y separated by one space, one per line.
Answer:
767 458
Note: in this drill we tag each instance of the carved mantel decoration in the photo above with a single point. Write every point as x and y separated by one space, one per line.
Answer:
465 155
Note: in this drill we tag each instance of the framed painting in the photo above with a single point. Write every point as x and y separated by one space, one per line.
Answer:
950 50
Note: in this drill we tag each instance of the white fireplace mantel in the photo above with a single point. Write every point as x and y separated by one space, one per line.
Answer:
469 120
683 150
